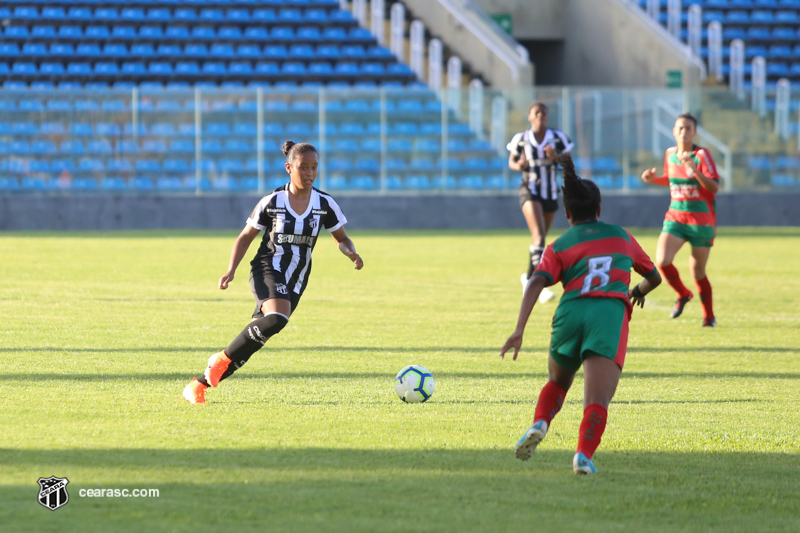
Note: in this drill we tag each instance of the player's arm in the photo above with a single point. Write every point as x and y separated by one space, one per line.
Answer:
650 176
347 247
240 247
638 292
532 290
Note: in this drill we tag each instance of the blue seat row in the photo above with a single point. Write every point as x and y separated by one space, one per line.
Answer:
209 69
244 129
256 34
323 14
283 84
149 52
735 4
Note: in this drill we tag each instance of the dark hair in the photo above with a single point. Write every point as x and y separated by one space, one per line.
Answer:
688 116
581 197
292 149
537 104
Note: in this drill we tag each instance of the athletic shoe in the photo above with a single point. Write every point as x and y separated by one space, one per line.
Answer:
530 440
195 392
582 465
680 303
709 322
546 295
217 365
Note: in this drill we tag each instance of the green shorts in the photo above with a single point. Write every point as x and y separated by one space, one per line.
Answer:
586 327
700 236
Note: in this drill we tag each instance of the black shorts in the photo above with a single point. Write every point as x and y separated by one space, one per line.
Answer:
525 195
268 284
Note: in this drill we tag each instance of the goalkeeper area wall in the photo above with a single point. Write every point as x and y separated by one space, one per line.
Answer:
103 212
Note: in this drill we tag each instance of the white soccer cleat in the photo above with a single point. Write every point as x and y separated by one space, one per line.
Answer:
546 296
530 440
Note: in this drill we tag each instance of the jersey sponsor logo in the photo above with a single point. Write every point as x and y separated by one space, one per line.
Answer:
291 238
319 211
685 192
276 210
53 492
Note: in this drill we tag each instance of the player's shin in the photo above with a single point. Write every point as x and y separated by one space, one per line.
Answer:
550 401
251 339
592 427
673 278
535 258
704 288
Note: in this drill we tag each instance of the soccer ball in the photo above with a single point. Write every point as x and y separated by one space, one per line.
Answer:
414 384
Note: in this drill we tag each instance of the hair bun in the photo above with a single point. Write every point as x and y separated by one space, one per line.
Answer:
287 146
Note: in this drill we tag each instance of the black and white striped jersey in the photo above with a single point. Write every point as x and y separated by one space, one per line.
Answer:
541 178
290 237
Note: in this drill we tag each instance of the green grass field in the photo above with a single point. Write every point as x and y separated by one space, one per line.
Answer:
100 332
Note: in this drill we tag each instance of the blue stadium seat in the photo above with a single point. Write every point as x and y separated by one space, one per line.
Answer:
35 50
308 33
254 33
175 166
148 166
783 180
185 14
73 147
177 33
214 68
141 184
113 184
363 182
759 163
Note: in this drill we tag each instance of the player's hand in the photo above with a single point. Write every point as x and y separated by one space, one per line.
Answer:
523 162
550 152
649 175
225 280
356 259
635 300
514 341
687 160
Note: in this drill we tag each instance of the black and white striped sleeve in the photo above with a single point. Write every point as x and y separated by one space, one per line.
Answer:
259 218
334 219
514 145
565 142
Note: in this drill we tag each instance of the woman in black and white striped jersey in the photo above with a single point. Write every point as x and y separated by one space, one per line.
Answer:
291 217
533 152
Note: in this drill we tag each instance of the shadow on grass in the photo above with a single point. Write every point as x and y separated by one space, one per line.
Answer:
345 375
374 350
325 489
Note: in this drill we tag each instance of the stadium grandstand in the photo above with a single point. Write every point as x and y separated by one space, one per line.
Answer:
197 95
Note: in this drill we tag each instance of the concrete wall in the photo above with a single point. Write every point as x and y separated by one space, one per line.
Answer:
610 43
531 19
493 56
606 42
125 212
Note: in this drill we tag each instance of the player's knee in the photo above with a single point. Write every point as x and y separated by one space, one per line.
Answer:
267 326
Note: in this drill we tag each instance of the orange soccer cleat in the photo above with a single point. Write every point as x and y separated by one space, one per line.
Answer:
217 365
195 392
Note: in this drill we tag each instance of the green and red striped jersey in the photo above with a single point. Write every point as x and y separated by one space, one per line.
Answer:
594 260
690 203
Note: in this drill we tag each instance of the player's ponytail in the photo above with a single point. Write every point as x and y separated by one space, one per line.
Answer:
581 197
291 149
